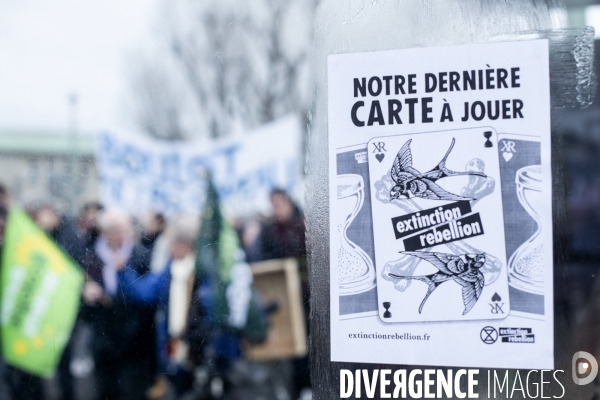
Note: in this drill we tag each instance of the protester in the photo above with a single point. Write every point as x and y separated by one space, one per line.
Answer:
60 228
187 336
153 226
63 231
172 292
20 384
250 232
88 224
283 235
123 345
152 237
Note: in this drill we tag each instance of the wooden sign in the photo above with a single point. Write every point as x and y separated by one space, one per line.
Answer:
278 282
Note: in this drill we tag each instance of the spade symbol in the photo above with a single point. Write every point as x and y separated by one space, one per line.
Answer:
380 157
496 297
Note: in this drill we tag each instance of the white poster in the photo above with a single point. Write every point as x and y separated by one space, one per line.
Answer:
139 174
441 206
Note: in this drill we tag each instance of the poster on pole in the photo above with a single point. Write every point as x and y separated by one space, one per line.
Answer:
40 288
441 206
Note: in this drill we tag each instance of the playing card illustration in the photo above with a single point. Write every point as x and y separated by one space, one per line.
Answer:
477 188
356 270
354 229
443 225
411 183
523 201
463 270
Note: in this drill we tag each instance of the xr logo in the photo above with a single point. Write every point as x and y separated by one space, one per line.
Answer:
497 308
379 147
508 146
508 150
488 335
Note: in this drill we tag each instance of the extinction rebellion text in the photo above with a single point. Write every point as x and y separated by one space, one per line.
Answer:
460 384
437 225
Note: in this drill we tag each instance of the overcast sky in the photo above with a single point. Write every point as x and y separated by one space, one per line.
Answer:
51 48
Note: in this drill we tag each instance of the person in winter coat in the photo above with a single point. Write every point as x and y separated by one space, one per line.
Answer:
284 234
185 332
19 384
153 227
60 228
64 233
123 345
181 329
87 224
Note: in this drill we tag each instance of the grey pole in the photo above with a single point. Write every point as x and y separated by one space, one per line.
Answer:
73 150
349 26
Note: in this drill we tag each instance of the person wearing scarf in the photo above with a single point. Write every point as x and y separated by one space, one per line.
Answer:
171 291
124 342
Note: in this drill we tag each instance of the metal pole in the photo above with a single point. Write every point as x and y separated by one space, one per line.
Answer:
73 150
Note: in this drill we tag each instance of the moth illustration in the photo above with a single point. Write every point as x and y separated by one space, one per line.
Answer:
463 269
412 183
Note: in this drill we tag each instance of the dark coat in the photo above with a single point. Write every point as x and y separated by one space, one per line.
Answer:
283 239
154 289
65 235
123 330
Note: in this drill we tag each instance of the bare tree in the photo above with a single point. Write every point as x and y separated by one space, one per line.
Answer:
158 105
245 63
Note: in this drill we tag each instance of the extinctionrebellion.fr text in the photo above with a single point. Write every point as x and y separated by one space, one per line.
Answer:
394 336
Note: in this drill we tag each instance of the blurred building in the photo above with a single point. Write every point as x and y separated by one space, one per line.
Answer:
52 166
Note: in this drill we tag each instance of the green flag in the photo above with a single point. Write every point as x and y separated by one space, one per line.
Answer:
220 259
40 288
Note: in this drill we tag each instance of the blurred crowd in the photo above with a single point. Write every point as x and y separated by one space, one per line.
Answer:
147 308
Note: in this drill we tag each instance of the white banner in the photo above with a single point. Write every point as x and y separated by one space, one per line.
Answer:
139 174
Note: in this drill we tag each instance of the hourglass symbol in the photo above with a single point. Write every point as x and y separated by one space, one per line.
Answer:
387 313
526 265
488 142
355 268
